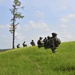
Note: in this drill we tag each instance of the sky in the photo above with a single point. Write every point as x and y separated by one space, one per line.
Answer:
41 18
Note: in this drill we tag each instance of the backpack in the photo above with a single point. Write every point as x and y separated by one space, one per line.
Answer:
57 42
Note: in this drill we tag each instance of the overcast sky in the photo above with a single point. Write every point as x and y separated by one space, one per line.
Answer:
42 17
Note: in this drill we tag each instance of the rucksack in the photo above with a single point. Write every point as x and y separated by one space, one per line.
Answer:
57 42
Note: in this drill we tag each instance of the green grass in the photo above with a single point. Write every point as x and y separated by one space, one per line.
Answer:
38 61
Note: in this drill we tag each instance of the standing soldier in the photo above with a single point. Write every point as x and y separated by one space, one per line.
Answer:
55 42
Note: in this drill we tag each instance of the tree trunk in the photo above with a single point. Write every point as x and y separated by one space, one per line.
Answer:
13 43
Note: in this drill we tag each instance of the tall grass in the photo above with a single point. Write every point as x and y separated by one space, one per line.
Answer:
39 61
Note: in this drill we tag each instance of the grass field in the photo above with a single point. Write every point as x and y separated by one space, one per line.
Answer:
39 61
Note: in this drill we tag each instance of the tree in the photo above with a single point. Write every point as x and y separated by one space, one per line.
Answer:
16 15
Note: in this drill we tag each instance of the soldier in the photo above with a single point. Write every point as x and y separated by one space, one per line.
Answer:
18 46
32 43
24 45
40 42
55 42
47 42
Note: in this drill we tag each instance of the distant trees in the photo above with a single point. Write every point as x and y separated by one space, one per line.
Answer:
15 15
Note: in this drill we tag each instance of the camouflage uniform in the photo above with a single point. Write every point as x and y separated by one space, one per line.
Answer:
18 46
40 42
32 43
47 42
24 45
55 42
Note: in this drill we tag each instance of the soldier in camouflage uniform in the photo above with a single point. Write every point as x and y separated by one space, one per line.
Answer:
32 43
40 42
24 44
55 42
47 42
18 46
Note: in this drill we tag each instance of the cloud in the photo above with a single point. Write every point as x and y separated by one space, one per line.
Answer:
36 25
64 7
64 26
67 18
39 25
39 14
64 20
66 33
71 16
4 26
66 36
19 35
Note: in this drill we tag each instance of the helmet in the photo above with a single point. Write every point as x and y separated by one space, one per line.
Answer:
54 34
40 37
48 37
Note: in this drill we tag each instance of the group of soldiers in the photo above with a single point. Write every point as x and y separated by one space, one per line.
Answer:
48 42
25 45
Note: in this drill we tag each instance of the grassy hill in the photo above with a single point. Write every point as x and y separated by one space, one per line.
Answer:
38 61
